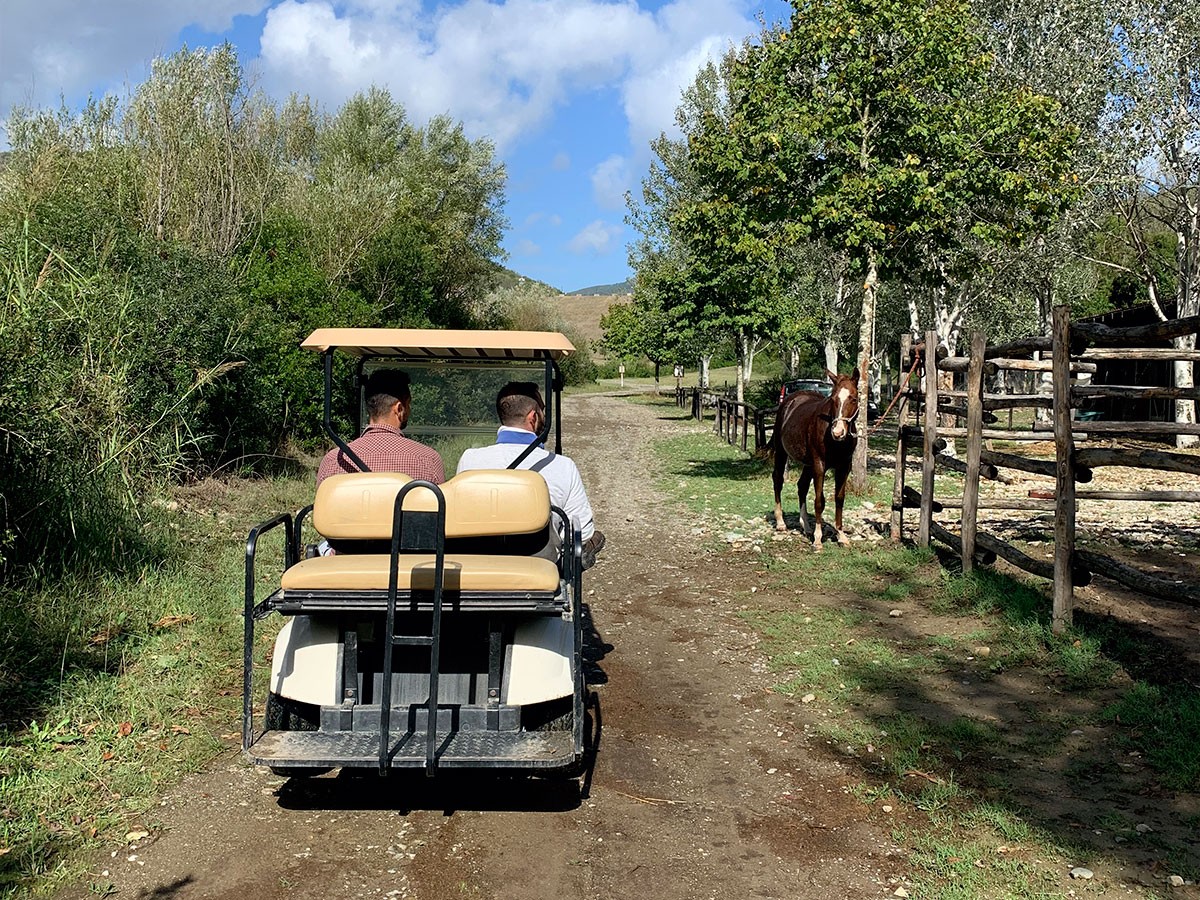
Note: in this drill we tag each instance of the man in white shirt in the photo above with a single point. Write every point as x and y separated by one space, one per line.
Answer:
522 414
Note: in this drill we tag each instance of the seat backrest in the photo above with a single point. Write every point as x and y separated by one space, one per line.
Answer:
480 503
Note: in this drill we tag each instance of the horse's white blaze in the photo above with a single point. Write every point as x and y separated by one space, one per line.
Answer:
839 416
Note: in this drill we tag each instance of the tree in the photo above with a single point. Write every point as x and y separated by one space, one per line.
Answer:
1153 133
878 126
638 328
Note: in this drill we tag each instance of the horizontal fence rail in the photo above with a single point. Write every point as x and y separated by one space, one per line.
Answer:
1064 361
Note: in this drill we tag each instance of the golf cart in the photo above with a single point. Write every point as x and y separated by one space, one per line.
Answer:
440 634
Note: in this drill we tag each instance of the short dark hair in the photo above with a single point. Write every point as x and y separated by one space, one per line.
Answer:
385 387
516 399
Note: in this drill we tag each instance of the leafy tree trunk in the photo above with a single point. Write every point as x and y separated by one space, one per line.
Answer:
1187 303
831 355
866 336
743 350
791 361
751 348
705 362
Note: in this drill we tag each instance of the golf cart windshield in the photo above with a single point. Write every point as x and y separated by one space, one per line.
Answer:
455 376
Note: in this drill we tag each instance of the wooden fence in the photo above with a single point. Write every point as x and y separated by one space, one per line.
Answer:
734 421
1075 456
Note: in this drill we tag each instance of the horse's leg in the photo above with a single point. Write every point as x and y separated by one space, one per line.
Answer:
781 459
840 480
802 492
818 502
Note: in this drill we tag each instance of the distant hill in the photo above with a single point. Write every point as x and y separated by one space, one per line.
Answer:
583 312
604 290
507 278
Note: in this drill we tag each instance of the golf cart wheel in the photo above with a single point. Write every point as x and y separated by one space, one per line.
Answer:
284 714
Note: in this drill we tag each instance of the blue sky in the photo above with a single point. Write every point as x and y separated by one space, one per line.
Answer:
570 91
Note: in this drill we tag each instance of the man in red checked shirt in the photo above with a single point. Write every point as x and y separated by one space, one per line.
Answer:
382 446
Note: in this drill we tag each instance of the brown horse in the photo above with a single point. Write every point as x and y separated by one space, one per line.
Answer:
817 432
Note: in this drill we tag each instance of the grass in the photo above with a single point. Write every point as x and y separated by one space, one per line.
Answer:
874 686
127 683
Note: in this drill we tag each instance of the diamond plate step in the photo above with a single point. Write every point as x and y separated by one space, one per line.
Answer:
482 749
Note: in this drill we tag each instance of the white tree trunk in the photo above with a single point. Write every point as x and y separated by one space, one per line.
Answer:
749 350
791 361
743 347
831 356
1185 410
705 362
914 314
866 336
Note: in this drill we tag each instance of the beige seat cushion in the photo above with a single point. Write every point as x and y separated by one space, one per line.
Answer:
464 572
479 503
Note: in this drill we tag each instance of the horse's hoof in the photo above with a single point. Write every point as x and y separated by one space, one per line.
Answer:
817 548
843 540
780 527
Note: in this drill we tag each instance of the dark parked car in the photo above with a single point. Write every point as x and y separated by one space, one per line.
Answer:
823 387
820 386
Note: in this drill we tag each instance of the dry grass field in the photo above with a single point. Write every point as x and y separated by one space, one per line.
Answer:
583 312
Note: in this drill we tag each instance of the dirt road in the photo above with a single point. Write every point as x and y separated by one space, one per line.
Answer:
704 785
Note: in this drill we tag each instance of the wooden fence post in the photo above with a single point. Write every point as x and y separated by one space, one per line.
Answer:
970 507
901 449
931 424
1064 469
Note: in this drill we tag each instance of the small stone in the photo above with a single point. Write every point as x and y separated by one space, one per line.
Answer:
808 698
900 892
1142 828
983 651
896 613
1081 872
886 808
772 771
1176 881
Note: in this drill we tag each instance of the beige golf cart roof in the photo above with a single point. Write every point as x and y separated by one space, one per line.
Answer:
437 343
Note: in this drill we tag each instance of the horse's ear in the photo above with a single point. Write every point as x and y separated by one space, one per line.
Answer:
855 375
832 376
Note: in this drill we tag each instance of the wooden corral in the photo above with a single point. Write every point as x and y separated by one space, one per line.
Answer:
737 423
1073 350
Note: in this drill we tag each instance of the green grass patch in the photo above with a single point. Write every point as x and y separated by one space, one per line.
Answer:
124 684
879 690
1163 723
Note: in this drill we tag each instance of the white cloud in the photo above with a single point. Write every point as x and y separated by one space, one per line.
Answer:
526 247
598 237
561 161
52 48
501 66
610 181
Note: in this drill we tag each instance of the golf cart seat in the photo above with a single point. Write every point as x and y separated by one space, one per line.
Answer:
487 511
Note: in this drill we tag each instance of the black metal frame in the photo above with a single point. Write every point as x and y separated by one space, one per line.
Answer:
289 559
432 640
